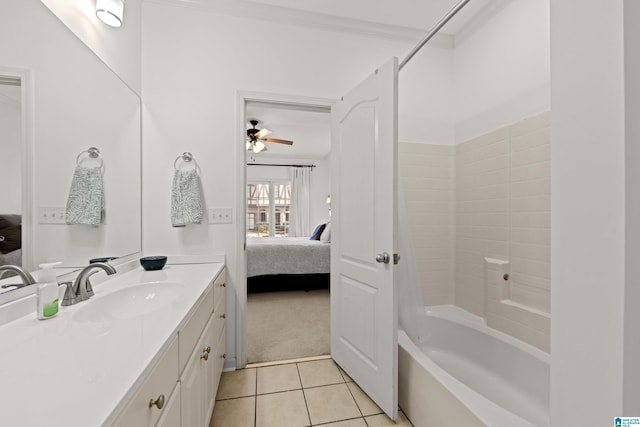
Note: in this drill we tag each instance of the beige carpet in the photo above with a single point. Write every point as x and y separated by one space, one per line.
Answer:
287 325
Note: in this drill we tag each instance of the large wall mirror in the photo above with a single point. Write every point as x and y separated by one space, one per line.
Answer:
58 100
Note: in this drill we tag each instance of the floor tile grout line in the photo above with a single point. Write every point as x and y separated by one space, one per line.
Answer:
255 402
323 385
356 401
235 398
339 421
304 396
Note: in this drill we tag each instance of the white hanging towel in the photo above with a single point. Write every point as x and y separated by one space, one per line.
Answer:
85 205
186 198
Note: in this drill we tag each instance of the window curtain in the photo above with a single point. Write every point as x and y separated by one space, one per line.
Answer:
299 213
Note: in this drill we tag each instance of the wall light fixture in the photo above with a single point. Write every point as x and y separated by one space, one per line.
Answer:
110 11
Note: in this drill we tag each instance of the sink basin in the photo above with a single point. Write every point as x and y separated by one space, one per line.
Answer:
132 301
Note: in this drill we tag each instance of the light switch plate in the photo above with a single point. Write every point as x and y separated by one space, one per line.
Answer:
220 215
51 215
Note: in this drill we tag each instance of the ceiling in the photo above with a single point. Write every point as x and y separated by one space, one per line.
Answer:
309 129
415 14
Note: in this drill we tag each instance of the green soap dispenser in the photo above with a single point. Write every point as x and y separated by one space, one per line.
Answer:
47 292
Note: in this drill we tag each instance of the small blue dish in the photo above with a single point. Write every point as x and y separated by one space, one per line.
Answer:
153 262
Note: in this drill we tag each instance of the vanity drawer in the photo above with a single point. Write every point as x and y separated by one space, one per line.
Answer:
190 333
157 387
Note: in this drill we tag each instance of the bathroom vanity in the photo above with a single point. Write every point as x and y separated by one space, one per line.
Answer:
147 350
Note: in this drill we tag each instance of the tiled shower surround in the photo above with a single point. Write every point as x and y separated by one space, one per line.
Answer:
486 198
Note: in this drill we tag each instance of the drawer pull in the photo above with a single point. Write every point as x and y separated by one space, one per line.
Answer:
158 403
204 356
207 350
223 316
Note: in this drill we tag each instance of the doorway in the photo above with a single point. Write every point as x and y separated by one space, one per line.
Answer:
281 313
16 224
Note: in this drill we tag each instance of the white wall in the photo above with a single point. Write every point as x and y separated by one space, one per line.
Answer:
426 111
119 47
589 210
11 143
632 129
194 62
501 69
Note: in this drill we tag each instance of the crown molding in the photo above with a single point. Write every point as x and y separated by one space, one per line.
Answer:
300 18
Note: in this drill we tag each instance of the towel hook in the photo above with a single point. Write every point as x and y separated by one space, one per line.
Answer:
91 153
186 157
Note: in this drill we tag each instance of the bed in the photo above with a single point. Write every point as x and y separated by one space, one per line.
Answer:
286 263
10 240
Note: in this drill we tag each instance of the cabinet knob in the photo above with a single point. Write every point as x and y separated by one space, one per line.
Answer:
224 355
223 316
158 403
223 285
207 350
204 356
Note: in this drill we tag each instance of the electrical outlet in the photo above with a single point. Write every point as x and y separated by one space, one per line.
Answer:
220 215
52 215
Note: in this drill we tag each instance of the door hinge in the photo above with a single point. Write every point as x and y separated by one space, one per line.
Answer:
396 259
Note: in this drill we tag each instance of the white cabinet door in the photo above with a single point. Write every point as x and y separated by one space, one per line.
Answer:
363 242
171 416
199 379
157 387
209 364
191 392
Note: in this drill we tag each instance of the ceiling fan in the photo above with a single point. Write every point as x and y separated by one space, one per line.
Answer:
256 138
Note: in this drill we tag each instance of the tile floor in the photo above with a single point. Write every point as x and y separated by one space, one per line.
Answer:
298 394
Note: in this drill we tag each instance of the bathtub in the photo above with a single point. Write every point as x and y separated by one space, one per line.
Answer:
465 373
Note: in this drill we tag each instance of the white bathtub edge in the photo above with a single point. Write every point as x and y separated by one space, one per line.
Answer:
484 410
463 317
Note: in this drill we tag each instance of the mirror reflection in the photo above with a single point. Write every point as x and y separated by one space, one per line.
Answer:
58 101
11 171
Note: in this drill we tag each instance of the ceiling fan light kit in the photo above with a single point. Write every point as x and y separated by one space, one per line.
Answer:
256 138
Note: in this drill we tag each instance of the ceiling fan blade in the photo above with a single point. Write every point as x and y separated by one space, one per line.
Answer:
262 133
279 141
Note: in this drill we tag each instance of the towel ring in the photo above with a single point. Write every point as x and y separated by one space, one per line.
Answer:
186 157
90 153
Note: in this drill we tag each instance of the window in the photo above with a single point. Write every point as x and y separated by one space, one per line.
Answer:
266 201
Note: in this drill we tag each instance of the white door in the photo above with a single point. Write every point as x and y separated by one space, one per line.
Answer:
363 196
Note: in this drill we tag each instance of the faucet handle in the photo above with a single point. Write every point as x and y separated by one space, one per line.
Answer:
88 283
70 297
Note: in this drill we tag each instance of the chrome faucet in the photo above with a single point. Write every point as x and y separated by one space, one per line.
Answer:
80 289
27 278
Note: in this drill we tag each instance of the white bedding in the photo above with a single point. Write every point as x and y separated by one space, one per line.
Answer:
287 255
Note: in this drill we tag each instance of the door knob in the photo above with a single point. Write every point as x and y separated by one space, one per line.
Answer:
383 258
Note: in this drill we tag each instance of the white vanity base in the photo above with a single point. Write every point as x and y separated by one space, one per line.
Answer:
94 369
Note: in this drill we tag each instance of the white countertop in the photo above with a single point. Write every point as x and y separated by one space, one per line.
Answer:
60 372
